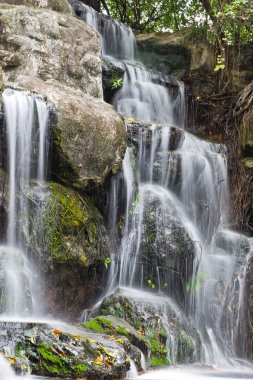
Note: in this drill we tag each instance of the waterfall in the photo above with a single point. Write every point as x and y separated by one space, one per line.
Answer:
145 93
26 129
176 239
6 372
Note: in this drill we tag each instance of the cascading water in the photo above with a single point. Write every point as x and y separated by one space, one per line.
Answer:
26 129
6 373
145 94
176 196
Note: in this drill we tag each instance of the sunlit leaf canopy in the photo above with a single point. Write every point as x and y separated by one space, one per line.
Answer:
233 18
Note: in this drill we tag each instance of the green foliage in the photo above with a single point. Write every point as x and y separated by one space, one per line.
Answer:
151 284
80 368
220 63
232 19
107 261
116 83
136 201
156 15
235 19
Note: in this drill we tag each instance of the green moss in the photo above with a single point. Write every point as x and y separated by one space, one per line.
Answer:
159 362
94 325
54 363
18 350
100 324
122 331
71 225
186 348
157 343
80 368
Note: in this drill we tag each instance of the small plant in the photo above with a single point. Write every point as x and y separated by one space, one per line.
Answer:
151 284
116 83
107 261
220 65
135 203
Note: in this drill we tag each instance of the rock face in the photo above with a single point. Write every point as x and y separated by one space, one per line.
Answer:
88 137
112 79
58 56
50 46
55 5
164 52
180 55
166 244
184 54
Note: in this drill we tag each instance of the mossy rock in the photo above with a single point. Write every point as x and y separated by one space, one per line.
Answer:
115 326
72 352
163 329
73 229
65 232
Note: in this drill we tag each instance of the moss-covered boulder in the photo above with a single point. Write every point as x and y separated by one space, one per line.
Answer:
112 325
66 351
66 232
166 334
121 331
56 5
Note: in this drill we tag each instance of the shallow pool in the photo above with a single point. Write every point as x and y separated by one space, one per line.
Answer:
198 373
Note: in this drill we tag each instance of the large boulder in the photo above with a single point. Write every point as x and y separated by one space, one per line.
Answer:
41 53
65 233
56 5
164 333
54 47
166 248
88 137
66 351
165 53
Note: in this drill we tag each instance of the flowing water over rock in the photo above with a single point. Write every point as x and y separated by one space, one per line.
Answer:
169 220
175 191
26 130
5 370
